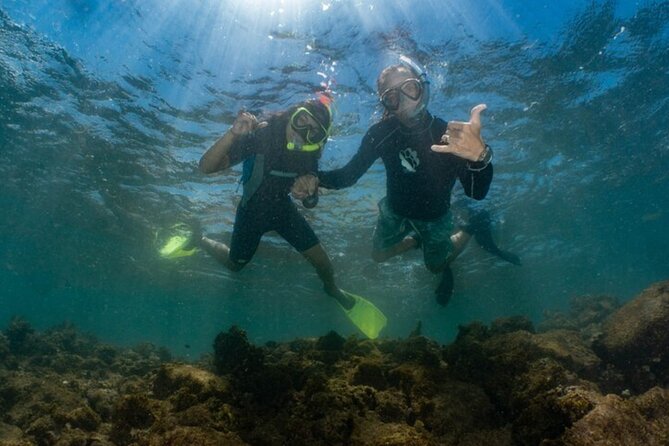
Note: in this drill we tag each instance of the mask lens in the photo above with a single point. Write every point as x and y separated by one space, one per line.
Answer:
308 127
391 99
315 135
411 88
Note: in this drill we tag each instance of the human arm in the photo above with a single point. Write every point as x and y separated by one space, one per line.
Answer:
476 178
348 175
217 157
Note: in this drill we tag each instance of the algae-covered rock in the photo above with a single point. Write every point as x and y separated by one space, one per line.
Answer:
510 324
10 434
83 418
131 412
173 377
4 348
371 432
370 373
454 409
643 421
20 335
568 347
585 314
637 333
196 436
234 354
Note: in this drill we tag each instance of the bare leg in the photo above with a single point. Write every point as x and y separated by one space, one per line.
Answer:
319 259
221 253
459 240
407 244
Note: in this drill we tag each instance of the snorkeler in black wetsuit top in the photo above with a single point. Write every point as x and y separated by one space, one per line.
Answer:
423 156
275 153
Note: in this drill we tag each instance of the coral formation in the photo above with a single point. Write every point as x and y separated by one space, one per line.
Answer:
596 377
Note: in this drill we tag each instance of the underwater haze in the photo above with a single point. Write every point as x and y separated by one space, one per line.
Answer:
107 106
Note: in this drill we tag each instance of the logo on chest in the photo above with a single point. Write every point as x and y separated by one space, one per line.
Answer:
409 159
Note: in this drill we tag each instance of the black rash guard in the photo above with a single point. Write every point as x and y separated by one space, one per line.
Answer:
266 205
418 180
280 166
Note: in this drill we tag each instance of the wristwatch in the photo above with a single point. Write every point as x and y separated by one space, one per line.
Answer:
483 160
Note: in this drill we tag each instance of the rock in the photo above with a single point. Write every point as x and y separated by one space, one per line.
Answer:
331 341
568 348
511 324
196 436
635 339
329 348
455 408
637 333
10 434
370 373
4 347
585 313
171 378
83 418
133 410
417 349
374 433
234 354
643 421
20 335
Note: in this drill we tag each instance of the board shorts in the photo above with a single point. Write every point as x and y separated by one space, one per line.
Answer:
435 235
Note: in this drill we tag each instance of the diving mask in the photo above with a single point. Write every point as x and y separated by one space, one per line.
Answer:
411 88
310 129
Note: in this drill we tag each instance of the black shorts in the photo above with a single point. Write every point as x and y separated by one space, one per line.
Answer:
255 219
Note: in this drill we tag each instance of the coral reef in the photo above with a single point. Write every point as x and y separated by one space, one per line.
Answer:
596 375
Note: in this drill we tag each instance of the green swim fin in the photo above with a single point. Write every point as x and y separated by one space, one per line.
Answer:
365 316
179 244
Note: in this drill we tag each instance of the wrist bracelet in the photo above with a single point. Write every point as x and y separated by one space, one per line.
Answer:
483 161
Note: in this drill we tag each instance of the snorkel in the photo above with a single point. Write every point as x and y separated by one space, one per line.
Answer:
425 84
312 122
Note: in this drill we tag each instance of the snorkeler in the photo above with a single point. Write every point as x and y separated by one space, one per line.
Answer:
275 153
423 157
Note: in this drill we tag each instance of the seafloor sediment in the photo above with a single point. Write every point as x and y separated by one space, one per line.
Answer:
598 374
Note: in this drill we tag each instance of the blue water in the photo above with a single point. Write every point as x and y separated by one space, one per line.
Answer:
105 108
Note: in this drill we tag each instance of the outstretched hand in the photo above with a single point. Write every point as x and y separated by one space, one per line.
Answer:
463 139
246 123
304 186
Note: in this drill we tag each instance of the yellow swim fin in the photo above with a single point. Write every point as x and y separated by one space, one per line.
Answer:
175 245
365 316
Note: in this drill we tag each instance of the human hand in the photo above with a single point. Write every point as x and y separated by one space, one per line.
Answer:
246 123
304 186
463 139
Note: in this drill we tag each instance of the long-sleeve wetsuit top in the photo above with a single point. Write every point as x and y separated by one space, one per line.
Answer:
280 166
418 180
